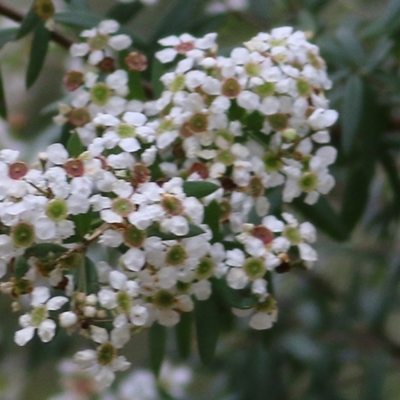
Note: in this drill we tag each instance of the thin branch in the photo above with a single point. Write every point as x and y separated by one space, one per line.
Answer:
17 16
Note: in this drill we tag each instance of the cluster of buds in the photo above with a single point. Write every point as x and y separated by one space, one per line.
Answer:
153 205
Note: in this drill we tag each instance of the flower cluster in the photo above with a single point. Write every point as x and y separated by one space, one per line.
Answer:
153 205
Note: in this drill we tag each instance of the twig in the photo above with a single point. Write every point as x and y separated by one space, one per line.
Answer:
17 16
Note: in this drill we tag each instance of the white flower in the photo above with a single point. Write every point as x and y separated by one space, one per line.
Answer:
38 317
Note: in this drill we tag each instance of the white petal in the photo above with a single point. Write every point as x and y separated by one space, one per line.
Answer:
47 330
56 303
40 295
24 335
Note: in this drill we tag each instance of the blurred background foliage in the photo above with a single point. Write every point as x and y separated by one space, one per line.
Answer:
338 334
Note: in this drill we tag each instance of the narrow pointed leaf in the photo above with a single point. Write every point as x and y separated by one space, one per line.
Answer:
207 328
76 5
28 24
351 46
3 103
38 53
157 346
194 230
157 70
82 223
389 165
74 145
199 189
351 114
212 214
21 267
92 280
184 333
7 35
80 19
44 251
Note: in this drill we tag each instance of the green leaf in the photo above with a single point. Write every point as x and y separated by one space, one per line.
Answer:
44 251
157 346
380 53
80 19
124 12
324 217
77 5
85 277
21 267
157 70
386 299
351 46
194 230
92 279
362 167
7 35
82 223
242 299
3 103
181 14
207 327
184 332
212 214
74 145
199 189
38 53
28 24
389 165
351 114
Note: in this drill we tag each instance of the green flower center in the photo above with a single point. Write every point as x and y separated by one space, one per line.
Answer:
38 315
198 123
205 269
226 157
122 207
293 235
23 235
124 301
177 84
266 89
57 210
172 205
106 353
100 94
98 42
272 162
163 299
176 255
125 131
308 181
134 237
252 69
303 87
254 268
